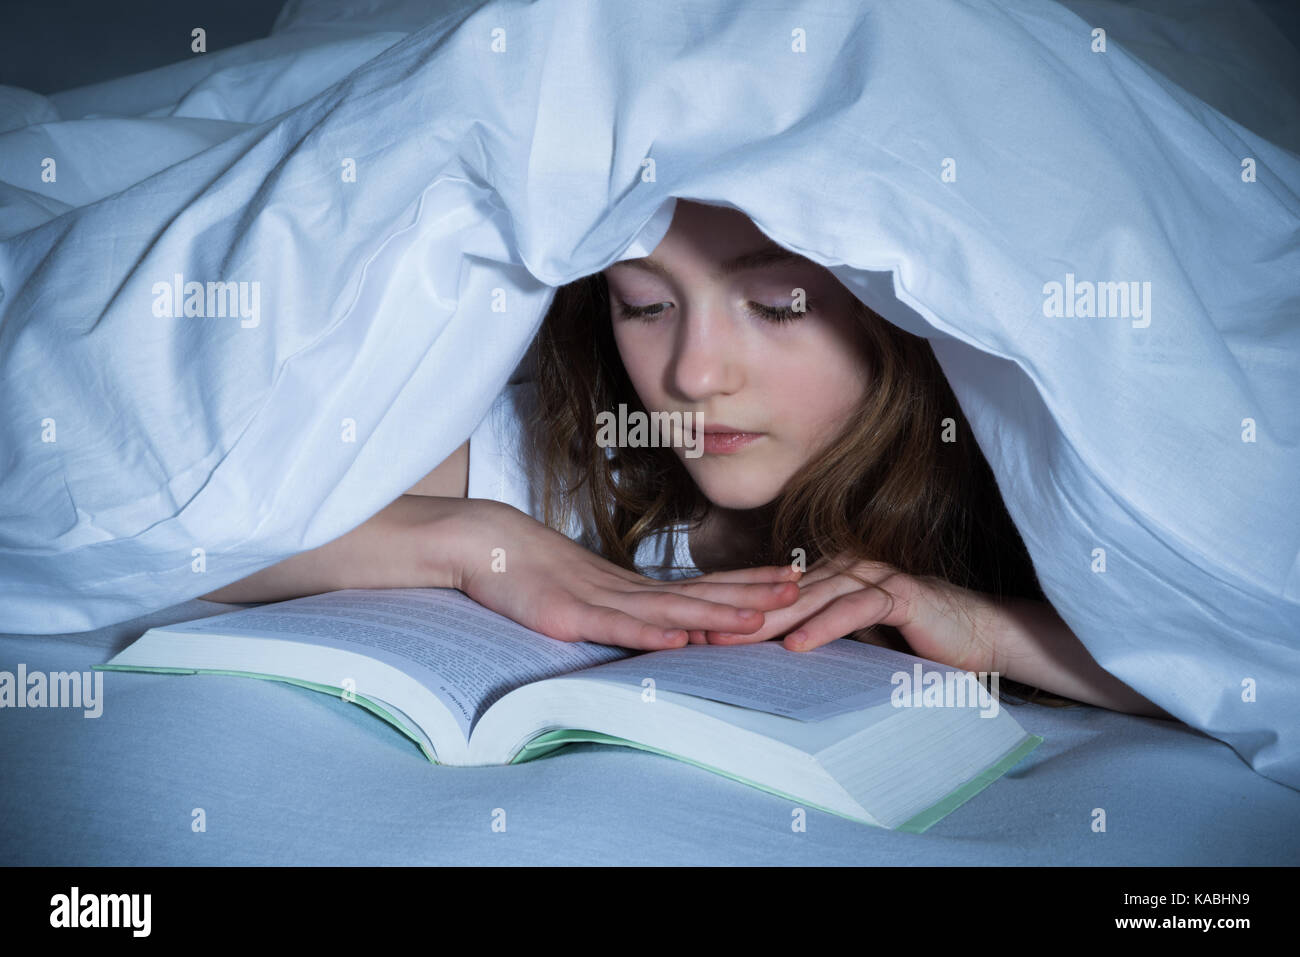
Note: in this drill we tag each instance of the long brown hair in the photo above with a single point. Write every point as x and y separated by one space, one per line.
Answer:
890 489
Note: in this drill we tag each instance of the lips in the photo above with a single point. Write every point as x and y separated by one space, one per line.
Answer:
724 443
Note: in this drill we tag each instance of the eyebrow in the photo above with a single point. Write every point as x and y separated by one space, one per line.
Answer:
764 256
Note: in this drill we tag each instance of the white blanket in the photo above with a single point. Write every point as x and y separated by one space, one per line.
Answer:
974 170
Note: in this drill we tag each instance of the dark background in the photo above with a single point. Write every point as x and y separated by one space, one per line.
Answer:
52 45
55 45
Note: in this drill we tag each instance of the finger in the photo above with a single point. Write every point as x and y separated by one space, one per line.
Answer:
701 606
609 626
760 574
818 572
765 573
698 638
844 615
763 597
812 598
669 610
825 568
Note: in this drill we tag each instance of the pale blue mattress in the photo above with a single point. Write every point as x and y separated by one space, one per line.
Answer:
290 776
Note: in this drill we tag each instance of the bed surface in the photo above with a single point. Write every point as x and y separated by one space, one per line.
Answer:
290 776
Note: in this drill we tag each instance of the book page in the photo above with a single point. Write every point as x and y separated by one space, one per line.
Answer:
467 655
837 678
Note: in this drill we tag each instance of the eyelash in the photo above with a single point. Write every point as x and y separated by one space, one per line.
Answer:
755 309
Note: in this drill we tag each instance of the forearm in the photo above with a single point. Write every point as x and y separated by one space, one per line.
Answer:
411 543
1037 647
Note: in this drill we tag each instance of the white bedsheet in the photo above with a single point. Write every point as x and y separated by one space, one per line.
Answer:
499 152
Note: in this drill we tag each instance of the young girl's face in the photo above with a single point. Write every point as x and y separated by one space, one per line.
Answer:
711 342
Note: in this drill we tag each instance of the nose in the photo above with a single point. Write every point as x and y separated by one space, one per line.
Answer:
707 358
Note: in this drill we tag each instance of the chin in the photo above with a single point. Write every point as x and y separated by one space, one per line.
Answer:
741 499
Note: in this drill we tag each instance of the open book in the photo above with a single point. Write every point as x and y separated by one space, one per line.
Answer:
827 728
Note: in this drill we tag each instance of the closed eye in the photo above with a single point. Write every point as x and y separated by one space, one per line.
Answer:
644 313
756 309
774 314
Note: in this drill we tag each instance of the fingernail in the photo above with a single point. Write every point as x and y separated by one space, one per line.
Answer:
672 635
798 638
749 612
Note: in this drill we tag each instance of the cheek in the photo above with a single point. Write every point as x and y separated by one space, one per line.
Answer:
821 393
638 353
626 350
844 362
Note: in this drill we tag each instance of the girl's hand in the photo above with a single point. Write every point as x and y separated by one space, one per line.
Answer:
547 582
938 620
1019 638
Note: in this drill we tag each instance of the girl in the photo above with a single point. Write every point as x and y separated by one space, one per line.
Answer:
823 449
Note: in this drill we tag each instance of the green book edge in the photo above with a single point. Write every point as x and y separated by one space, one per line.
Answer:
549 741
917 824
